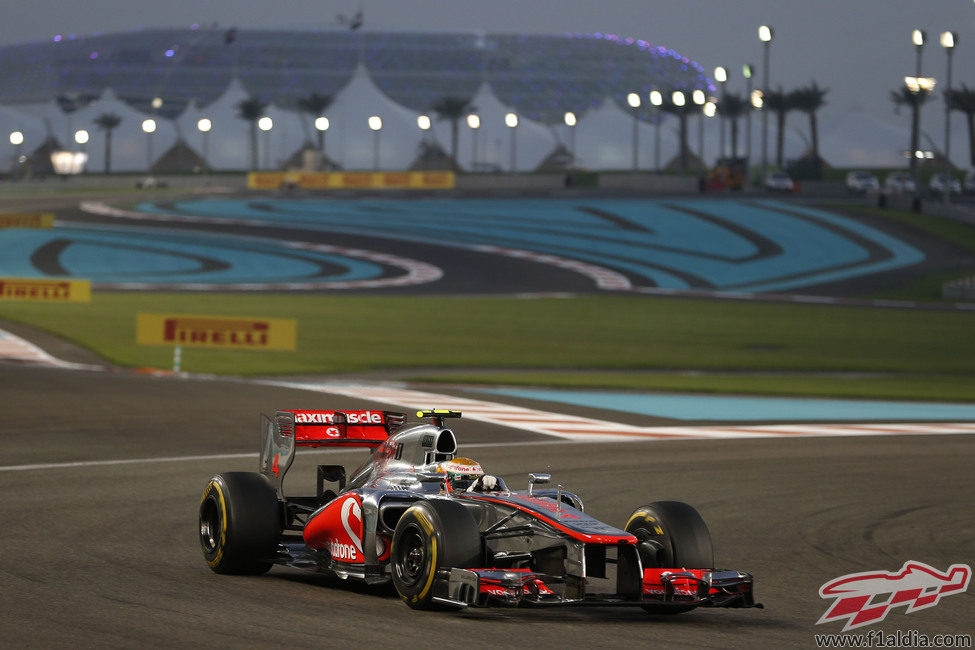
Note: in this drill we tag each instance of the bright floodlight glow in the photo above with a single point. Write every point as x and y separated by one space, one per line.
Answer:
81 136
570 118
699 97
948 39
375 122
423 121
710 109
511 120
204 124
758 98
656 98
16 138
265 123
678 98
765 34
473 121
917 37
919 84
322 123
633 100
149 126
720 74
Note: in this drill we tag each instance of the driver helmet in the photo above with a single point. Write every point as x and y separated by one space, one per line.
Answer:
460 473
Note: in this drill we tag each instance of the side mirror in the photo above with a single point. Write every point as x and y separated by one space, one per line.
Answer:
537 479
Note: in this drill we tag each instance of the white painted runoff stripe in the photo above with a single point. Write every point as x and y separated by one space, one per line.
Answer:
14 348
570 427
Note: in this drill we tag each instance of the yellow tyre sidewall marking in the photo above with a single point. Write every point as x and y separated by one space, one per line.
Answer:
213 485
650 520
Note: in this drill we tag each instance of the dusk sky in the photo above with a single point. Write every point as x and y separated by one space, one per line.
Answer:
859 49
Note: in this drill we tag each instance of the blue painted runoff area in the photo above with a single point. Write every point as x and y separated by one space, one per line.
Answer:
740 409
732 245
136 255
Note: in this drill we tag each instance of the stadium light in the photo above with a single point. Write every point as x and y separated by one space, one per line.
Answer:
474 122
656 100
511 121
203 125
765 35
376 124
948 41
149 127
633 100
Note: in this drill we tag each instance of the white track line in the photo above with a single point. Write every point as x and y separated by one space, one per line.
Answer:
254 456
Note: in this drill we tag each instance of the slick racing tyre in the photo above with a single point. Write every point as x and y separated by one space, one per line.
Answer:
240 523
671 534
430 536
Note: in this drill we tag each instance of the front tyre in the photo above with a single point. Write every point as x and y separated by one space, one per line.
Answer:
430 536
671 535
240 523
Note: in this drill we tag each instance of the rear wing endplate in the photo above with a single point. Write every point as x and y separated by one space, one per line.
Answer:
286 430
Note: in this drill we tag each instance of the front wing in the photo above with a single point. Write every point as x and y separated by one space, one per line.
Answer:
677 588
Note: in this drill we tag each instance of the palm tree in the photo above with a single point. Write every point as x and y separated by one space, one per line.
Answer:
251 110
107 122
452 109
809 99
733 107
963 101
682 112
315 105
904 97
780 102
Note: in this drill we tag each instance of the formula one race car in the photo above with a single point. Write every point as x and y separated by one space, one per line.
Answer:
447 534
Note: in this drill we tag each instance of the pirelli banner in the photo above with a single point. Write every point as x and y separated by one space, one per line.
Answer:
27 220
414 180
45 290
216 332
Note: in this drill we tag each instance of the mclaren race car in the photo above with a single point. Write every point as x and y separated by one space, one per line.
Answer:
447 534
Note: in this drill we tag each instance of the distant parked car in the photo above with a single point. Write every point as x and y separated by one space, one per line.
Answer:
900 183
941 183
969 184
779 182
862 181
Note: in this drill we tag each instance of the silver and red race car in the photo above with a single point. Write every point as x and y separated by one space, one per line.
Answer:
447 534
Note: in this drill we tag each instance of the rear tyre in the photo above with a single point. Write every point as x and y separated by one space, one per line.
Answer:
240 523
430 536
671 535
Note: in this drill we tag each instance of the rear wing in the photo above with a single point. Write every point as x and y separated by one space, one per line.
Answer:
288 429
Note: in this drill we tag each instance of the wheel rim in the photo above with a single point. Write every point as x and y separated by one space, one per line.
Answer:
411 556
209 526
651 551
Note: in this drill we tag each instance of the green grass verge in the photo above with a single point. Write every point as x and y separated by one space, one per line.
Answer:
353 334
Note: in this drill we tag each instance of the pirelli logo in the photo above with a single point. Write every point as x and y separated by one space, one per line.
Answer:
27 220
211 331
44 290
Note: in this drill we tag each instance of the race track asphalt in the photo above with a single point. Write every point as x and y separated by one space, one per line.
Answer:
101 475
